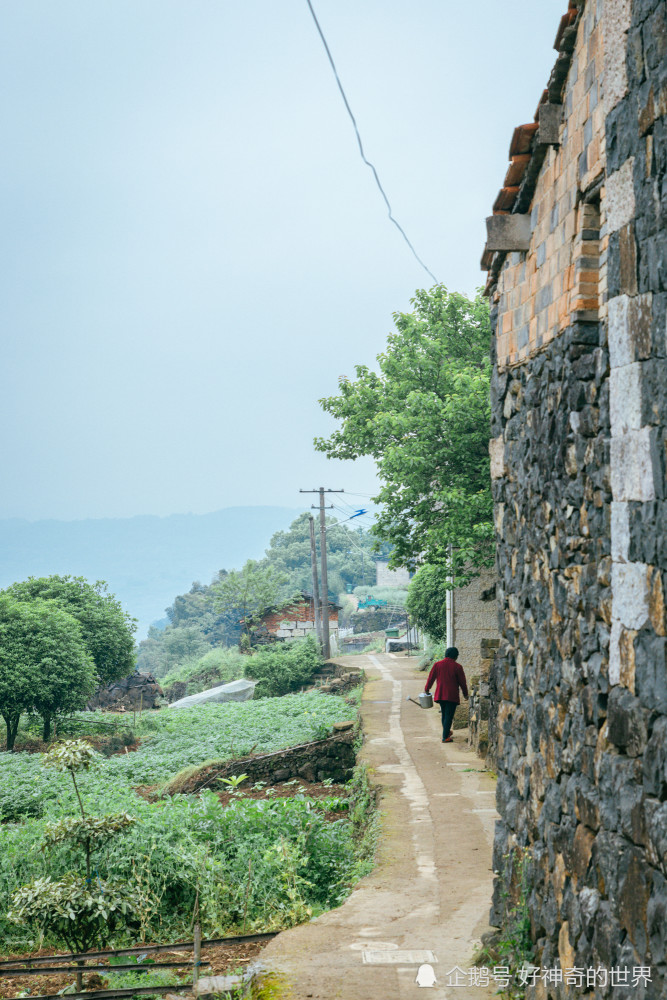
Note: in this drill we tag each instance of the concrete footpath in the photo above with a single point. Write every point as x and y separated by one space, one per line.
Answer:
428 898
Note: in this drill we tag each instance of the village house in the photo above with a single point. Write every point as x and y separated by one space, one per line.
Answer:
576 256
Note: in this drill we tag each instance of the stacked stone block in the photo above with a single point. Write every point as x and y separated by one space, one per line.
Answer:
479 702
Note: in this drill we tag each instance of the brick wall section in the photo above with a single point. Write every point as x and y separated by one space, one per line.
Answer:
578 719
540 292
297 621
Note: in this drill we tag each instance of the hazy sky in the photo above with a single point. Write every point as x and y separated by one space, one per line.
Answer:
192 250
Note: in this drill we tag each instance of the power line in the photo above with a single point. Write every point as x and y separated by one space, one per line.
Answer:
366 495
361 147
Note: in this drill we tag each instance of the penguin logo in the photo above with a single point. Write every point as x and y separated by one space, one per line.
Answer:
426 976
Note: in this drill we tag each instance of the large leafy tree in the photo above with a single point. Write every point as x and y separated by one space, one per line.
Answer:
351 553
44 663
424 417
107 630
427 601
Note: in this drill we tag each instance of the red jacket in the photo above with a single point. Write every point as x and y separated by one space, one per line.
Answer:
449 677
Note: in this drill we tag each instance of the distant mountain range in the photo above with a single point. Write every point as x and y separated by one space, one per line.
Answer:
146 560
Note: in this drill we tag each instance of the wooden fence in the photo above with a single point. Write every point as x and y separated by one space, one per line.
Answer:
41 965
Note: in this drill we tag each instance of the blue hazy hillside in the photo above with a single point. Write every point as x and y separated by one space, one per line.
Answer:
146 560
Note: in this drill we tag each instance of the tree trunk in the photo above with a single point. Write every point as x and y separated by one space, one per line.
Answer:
12 724
46 733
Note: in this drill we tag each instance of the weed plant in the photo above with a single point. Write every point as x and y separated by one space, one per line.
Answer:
513 945
433 651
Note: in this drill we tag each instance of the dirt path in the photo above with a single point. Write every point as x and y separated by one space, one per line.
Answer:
431 888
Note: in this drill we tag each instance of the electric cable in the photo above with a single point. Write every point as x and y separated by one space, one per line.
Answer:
361 147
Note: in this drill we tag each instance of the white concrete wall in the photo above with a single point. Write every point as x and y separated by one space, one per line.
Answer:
385 577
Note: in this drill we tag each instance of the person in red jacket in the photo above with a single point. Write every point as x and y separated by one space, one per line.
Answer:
449 677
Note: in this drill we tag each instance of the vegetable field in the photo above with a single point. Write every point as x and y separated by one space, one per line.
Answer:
258 864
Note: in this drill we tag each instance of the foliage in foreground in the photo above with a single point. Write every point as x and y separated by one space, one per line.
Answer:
71 908
425 417
513 946
75 910
268 863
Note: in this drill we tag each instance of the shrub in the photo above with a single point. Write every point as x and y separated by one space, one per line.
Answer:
76 910
284 667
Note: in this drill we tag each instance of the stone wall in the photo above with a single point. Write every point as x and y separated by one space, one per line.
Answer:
133 693
578 720
332 758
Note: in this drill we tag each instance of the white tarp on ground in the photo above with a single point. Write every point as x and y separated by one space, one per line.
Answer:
236 691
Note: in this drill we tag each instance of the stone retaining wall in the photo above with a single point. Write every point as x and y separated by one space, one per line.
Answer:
331 758
138 691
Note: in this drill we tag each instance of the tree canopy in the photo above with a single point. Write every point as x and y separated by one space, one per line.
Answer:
351 553
45 666
424 417
210 615
107 630
427 601
245 594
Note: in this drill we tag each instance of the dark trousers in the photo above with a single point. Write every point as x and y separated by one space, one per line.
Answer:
447 709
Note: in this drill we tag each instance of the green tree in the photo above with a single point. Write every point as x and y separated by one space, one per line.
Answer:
427 601
351 554
44 664
425 418
248 593
108 631
200 608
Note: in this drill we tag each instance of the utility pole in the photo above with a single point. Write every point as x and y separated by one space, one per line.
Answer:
317 607
326 647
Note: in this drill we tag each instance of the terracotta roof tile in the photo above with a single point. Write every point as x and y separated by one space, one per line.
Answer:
516 170
522 138
565 22
505 200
